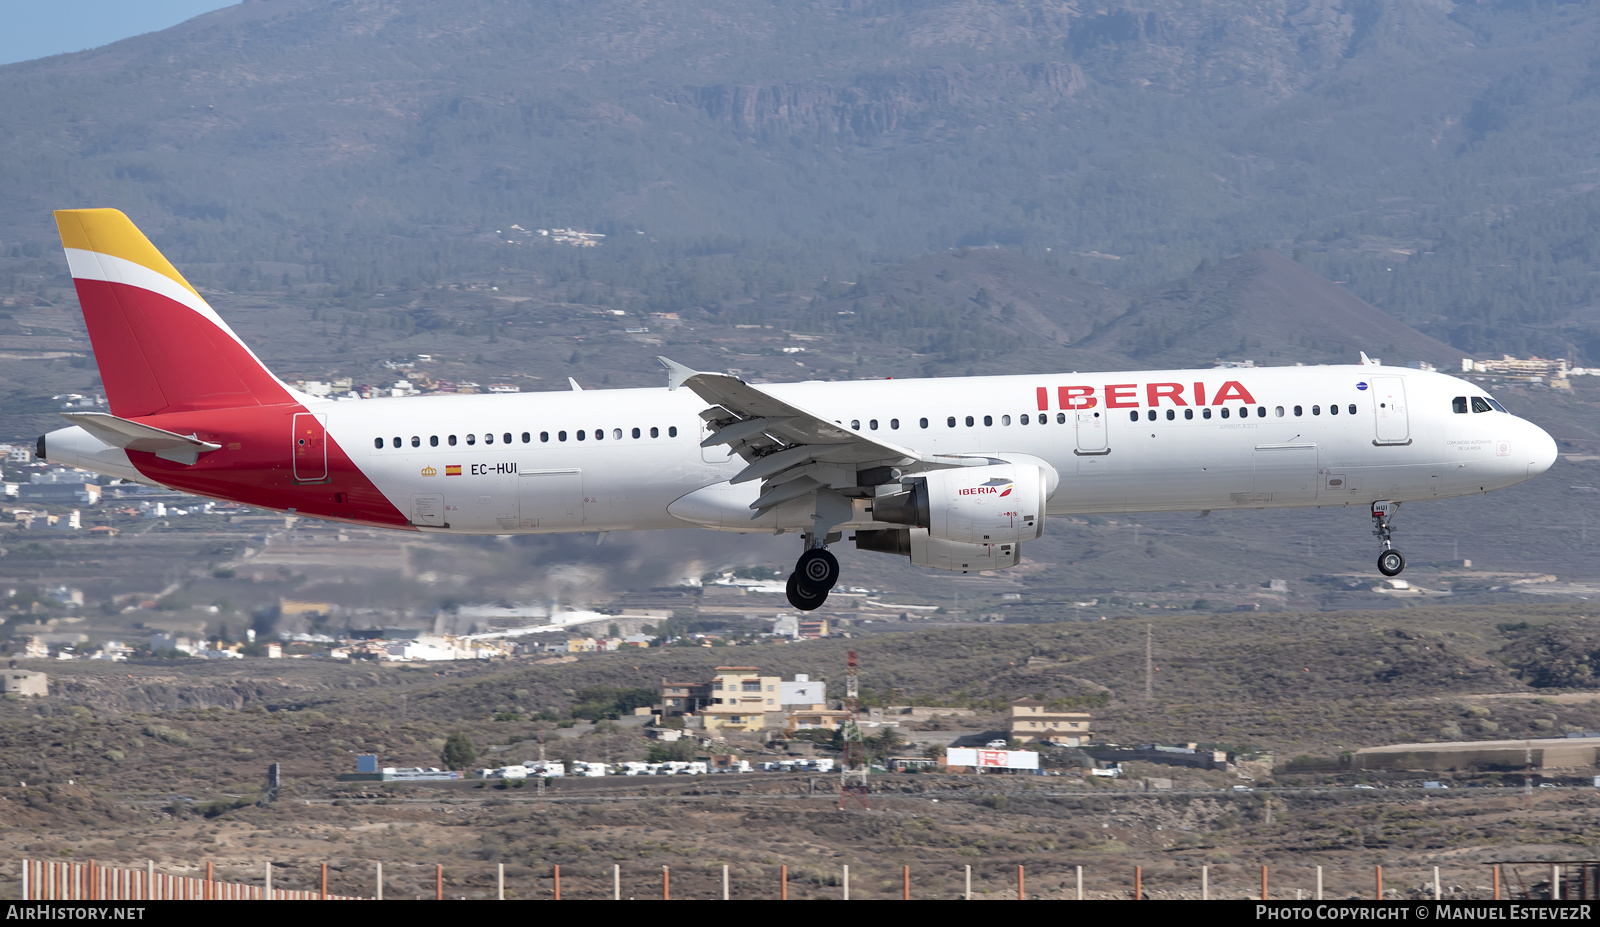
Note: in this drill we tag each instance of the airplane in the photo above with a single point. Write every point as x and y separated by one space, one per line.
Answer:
952 473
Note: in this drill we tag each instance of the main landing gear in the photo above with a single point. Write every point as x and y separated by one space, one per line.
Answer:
814 575
1390 561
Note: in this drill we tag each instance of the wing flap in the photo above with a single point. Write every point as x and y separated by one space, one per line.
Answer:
796 426
793 451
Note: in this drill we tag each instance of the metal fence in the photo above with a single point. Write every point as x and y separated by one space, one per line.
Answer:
44 880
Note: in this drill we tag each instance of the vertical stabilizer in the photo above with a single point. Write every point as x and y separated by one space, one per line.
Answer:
159 346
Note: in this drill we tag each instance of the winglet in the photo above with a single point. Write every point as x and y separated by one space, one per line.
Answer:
677 374
1365 360
575 387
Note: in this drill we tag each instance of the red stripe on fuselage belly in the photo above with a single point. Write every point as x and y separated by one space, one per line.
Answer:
255 466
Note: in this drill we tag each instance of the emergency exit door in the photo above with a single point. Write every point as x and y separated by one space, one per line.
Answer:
1091 433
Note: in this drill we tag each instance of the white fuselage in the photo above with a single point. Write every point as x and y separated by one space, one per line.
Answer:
581 468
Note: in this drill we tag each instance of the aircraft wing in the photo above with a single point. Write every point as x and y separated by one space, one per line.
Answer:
792 450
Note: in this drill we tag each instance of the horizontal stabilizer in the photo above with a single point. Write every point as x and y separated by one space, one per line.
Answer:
132 436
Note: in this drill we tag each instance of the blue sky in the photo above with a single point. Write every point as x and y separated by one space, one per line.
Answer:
35 30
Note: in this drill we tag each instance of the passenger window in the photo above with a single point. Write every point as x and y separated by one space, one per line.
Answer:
396 442
654 433
506 437
1006 419
433 440
1458 405
1244 411
894 424
636 432
526 437
1171 415
1333 408
1044 419
488 438
971 421
988 420
1205 413
672 431
923 422
1022 419
1152 415
872 424
451 440
560 436
580 434
1261 411
1480 404
1133 416
1224 411
1278 411
1352 408
544 437
1188 413
1061 418
1316 410
855 424
1297 410
599 434
616 434
377 442
951 421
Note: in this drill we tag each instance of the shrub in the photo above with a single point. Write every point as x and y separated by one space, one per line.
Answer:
168 735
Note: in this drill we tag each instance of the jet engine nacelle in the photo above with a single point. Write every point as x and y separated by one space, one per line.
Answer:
1001 503
938 553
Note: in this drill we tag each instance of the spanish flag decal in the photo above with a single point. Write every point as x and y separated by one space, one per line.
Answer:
452 470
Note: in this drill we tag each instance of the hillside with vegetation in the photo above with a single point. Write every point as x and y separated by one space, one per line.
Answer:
1433 157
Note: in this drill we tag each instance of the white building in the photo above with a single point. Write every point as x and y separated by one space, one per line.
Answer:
802 691
433 648
61 475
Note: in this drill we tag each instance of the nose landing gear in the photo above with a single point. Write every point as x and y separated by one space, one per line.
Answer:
814 575
1390 561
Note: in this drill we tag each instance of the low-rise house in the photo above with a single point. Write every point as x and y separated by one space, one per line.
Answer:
681 698
1032 720
24 683
742 700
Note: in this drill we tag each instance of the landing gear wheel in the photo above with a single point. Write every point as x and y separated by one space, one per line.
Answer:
818 569
802 596
1391 562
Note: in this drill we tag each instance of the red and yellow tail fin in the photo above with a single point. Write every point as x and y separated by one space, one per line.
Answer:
159 346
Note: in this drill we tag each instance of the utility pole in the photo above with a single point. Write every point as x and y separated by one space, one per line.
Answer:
1149 664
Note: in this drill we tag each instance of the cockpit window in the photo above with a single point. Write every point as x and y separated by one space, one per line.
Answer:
1458 405
1480 404
1496 406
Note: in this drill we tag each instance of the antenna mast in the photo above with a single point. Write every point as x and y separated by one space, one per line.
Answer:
853 764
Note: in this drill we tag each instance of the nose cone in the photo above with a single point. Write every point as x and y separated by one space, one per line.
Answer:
1541 450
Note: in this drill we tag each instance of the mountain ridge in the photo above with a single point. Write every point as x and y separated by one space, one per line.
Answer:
370 139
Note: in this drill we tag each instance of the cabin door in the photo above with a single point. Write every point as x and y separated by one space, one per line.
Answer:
310 447
1389 405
